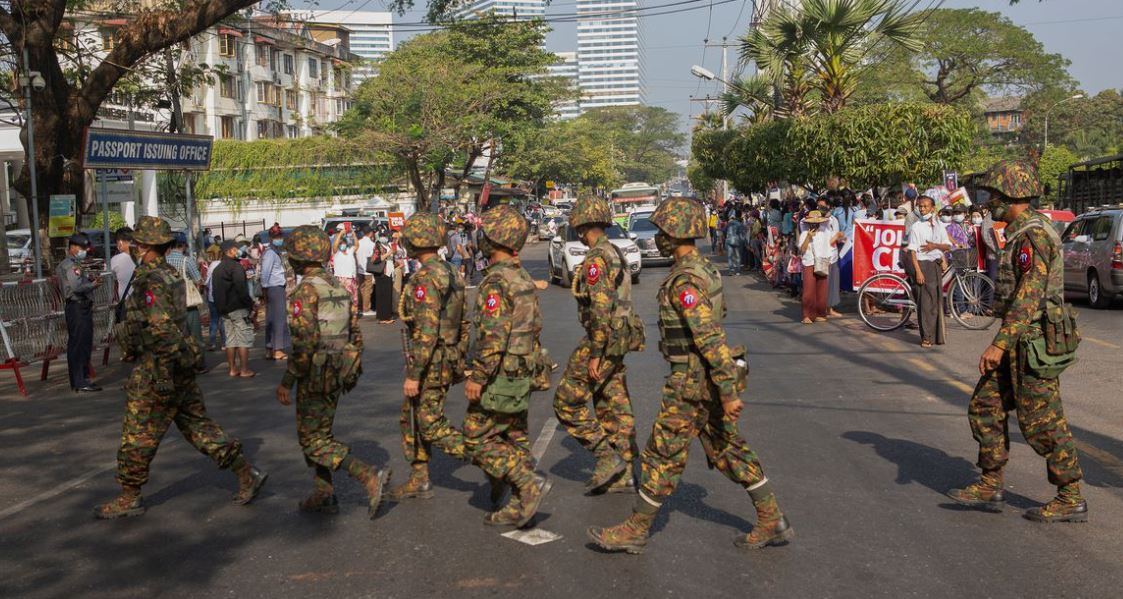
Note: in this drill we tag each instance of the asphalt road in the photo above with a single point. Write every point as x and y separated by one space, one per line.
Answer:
861 434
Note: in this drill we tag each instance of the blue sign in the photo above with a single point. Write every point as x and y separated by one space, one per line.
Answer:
116 148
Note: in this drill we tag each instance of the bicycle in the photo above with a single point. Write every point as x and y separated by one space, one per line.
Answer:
885 300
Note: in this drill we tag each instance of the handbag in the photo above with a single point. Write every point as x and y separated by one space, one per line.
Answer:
376 265
822 265
194 298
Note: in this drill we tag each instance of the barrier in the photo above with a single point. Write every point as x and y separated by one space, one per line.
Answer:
33 323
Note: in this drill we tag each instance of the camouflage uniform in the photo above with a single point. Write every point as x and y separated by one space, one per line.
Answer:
161 388
603 289
1030 277
324 325
433 309
507 322
703 374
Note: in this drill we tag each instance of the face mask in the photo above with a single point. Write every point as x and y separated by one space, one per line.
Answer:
926 217
960 218
976 220
278 242
81 255
664 245
945 219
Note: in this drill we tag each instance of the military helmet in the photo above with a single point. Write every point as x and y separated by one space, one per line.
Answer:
308 243
503 225
152 230
1013 180
590 210
681 218
424 230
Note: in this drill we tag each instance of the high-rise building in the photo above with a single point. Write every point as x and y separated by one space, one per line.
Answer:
521 9
567 68
371 33
608 53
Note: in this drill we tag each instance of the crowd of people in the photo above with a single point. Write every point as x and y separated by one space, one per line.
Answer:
796 243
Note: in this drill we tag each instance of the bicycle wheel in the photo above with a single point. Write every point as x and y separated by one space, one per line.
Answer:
885 302
971 300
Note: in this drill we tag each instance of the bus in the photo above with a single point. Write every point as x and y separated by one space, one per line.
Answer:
630 198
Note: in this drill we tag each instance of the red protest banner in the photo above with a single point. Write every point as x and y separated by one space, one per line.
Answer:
397 220
877 248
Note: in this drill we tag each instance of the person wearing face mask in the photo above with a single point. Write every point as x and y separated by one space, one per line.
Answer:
77 288
956 227
273 279
343 261
928 240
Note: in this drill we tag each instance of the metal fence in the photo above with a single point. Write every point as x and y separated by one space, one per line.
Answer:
33 323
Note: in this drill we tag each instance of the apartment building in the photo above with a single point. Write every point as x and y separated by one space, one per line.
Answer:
371 35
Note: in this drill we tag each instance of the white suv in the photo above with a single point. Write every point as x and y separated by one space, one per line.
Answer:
567 253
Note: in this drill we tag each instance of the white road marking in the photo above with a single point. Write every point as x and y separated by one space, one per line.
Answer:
542 443
532 536
58 490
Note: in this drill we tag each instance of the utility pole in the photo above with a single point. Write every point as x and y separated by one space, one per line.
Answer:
34 203
724 45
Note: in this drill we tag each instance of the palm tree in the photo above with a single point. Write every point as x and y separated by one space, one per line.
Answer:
824 44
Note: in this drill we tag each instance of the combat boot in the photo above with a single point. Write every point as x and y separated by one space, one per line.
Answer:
320 502
986 494
630 535
417 487
372 479
772 527
499 489
250 481
609 466
530 496
625 483
128 503
508 515
1068 506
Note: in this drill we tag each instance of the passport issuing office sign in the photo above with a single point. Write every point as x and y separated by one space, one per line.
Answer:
121 149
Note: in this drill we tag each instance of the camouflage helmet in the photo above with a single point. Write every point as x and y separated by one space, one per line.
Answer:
308 243
681 218
590 210
1012 180
424 230
503 225
152 230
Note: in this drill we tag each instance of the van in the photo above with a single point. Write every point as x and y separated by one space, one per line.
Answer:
1093 255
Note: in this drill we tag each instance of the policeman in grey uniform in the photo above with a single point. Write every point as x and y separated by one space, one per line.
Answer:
77 292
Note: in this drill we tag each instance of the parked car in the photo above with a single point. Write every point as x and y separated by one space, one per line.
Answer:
334 223
1093 255
567 253
642 231
19 247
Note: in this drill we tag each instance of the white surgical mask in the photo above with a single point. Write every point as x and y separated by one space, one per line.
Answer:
926 217
945 218
960 218
81 255
976 220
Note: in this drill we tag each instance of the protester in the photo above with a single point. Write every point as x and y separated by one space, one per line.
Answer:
233 302
363 255
384 283
711 223
216 333
343 261
189 270
273 281
815 245
122 265
835 236
928 240
734 242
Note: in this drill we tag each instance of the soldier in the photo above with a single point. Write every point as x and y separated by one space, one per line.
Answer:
326 362
508 360
433 309
700 396
596 370
161 388
1028 293
77 288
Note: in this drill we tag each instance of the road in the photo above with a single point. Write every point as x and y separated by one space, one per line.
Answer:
861 434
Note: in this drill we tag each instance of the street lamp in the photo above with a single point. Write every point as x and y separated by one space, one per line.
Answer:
704 73
1073 97
33 79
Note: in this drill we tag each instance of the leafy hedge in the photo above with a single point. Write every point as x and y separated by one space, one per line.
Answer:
875 144
276 169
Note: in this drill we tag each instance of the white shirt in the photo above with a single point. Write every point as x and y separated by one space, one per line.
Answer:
820 246
365 251
343 264
210 277
122 266
929 231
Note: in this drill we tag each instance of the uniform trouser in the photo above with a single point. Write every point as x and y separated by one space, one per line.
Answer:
611 404
79 341
276 319
315 415
149 413
1037 404
499 444
433 428
691 408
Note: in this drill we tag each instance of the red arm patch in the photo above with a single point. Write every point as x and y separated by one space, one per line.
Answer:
297 308
491 304
149 298
592 274
419 292
688 298
1025 258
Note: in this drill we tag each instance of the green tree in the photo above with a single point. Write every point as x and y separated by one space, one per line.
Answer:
1054 161
647 139
1089 127
566 152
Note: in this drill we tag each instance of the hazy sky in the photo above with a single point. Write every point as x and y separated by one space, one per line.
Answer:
1087 32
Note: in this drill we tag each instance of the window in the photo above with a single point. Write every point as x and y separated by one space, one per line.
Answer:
291 131
274 60
1101 229
290 64
261 55
262 129
227 127
226 87
109 39
324 68
290 99
227 44
1074 230
313 68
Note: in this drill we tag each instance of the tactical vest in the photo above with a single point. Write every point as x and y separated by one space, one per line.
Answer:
333 314
452 308
161 280
676 342
617 273
1007 274
526 317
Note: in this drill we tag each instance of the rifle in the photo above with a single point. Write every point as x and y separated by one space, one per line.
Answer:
407 346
